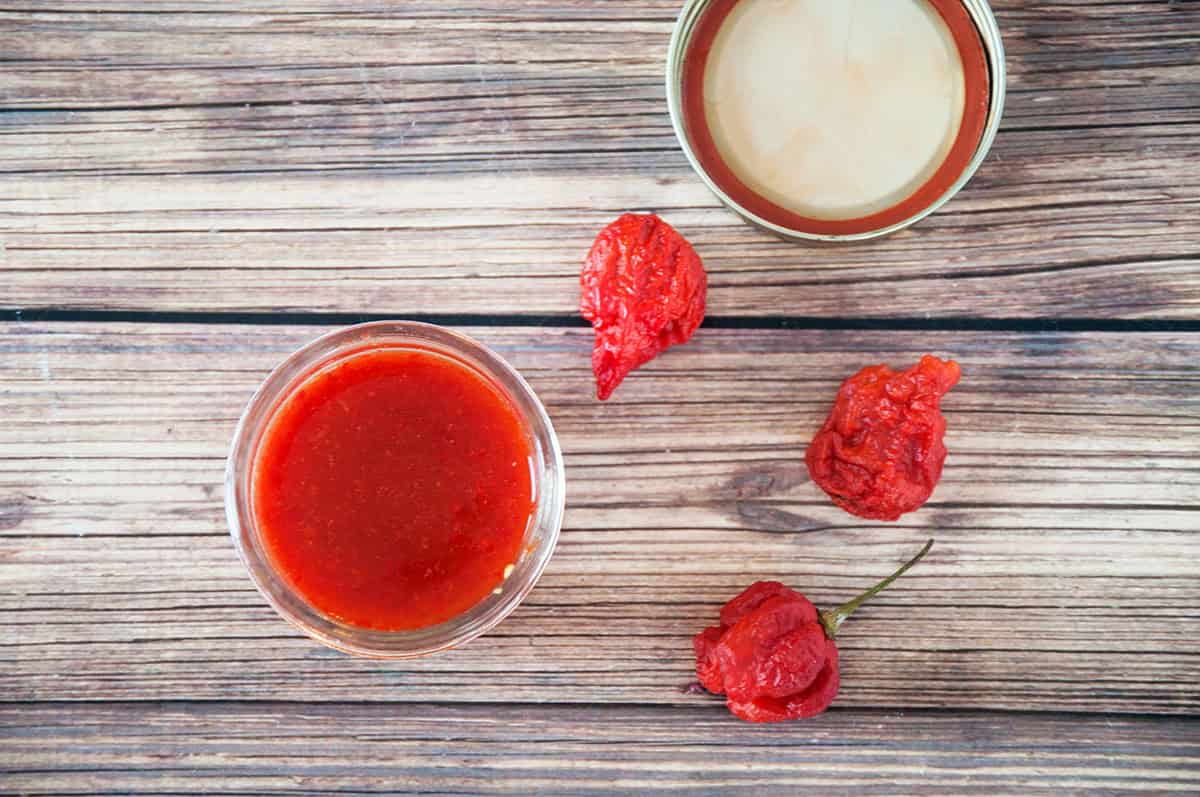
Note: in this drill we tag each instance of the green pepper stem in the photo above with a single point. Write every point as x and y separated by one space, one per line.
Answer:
833 620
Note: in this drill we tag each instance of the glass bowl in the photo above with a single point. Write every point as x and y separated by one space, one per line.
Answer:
541 534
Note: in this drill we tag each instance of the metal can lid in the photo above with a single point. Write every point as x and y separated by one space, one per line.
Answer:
835 121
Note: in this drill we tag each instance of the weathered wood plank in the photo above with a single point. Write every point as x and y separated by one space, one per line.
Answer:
191 54
434 159
290 749
431 245
1064 577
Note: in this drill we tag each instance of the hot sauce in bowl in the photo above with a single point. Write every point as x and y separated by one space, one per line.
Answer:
395 489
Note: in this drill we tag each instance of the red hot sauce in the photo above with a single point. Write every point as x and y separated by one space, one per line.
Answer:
393 489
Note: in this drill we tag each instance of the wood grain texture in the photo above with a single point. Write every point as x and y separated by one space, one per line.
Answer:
433 157
1064 577
288 749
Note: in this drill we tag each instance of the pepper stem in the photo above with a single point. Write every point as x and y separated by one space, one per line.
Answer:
833 620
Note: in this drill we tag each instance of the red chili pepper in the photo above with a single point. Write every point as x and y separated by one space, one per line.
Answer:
773 655
880 452
643 290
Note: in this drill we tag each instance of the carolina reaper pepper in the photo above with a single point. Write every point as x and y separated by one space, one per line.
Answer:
773 655
643 289
881 451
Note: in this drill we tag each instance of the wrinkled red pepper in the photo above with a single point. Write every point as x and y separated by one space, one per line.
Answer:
773 655
881 451
643 290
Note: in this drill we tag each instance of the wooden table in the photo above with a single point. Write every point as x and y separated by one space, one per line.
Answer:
191 189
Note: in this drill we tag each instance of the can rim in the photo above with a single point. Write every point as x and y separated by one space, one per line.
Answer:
986 26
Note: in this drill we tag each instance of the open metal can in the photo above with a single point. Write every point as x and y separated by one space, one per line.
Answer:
836 121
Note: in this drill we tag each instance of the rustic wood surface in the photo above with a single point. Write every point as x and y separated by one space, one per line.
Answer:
428 156
1064 578
190 189
288 749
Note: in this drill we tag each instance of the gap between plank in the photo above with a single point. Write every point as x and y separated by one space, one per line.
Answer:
928 711
947 324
